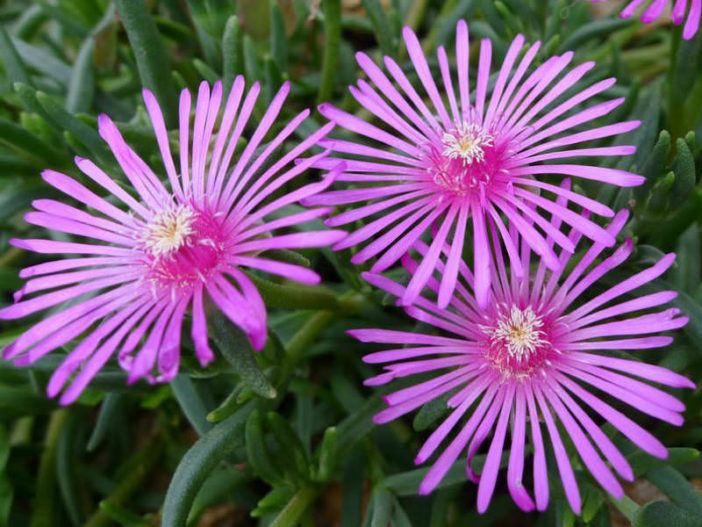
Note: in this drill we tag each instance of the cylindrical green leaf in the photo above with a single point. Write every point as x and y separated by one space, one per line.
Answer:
28 144
328 454
677 488
66 468
226 408
29 22
292 512
11 61
84 133
685 176
124 517
382 508
258 455
654 166
150 53
665 514
191 403
279 40
44 506
82 86
290 443
197 464
642 463
105 419
381 26
332 41
235 347
295 296
594 30
232 52
131 475
273 502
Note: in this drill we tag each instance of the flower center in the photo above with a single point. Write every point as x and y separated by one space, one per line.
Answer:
467 161
182 245
466 143
517 343
519 333
168 231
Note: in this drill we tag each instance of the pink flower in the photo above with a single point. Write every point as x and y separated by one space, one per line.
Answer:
531 359
155 253
468 166
654 9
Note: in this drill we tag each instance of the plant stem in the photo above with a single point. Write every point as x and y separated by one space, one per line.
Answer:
349 303
292 512
308 333
626 506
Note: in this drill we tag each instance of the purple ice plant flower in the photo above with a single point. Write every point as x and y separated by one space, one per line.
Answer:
534 357
469 166
654 9
154 252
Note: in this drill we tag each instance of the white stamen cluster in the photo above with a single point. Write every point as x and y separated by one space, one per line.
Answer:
519 332
467 143
169 230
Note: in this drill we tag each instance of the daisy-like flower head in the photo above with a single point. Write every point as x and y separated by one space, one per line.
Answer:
153 254
472 164
532 359
653 9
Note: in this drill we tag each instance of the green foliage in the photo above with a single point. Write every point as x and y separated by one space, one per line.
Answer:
285 437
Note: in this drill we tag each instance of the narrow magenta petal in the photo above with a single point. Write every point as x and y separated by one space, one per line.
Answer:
416 54
406 394
124 320
399 337
488 478
655 9
448 155
203 352
170 243
59 224
541 490
604 443
149 188
639 388
286 270
293 241
27 307
650 372
515 464
145 359
161 133
637 434
601 472
394 411
496 98
481 252
484 357
483 430
448 284
564 466
394 96
451 453
693 20
168 359
428 264
652 408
